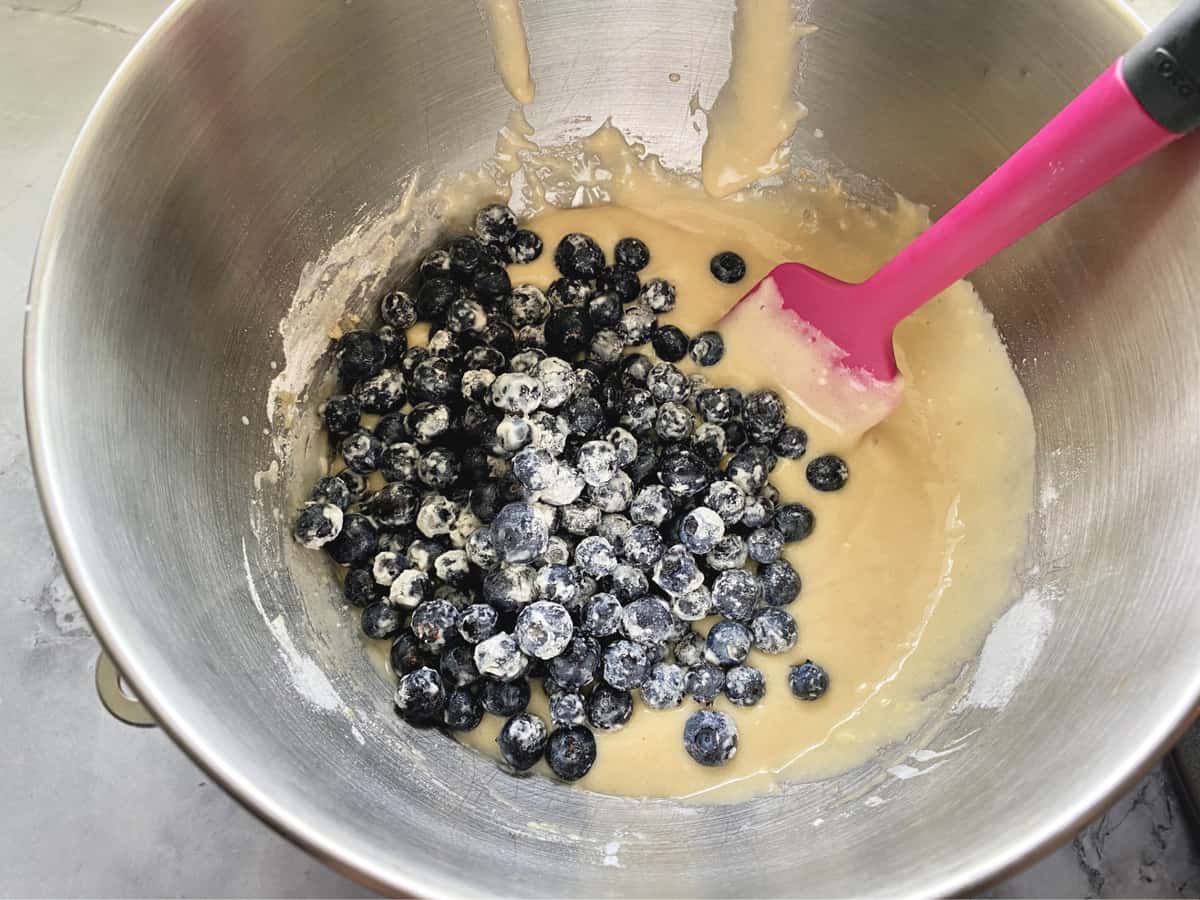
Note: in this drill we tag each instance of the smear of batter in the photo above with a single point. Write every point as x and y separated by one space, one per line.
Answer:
511 48
754 113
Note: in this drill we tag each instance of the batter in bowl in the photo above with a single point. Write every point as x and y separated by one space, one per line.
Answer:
910 562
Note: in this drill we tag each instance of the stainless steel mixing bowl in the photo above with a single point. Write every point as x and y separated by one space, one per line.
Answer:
241 140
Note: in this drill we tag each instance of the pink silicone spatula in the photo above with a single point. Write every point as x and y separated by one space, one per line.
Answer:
844 368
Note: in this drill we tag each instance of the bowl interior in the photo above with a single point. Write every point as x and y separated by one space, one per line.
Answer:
242 142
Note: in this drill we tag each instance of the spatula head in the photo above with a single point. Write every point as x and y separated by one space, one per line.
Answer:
844 313
826 343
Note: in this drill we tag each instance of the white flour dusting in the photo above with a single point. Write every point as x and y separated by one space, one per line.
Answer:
1010 650
306 675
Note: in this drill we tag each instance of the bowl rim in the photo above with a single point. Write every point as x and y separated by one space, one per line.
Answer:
1027 846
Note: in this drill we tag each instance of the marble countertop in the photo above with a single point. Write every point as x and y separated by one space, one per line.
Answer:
93 807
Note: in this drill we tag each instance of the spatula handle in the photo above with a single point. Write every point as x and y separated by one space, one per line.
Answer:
1142 102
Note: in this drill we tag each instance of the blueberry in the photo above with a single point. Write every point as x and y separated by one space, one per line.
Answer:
398 309
569 292
580 519
566 484
601 616
577 665
596 556
692 605
639 411
709 443
434 622
420 696
571 750
361 451
318 524
828 473
544 629
557 552
457 666
410 588
477 623
744 685
395 344
646 621
466 256
710 737
606 347
504 698
463 711
659 295
509 588
625 665
438 468
717 406
704 682
412 357
664 688
764 545
585 417
624 444
652 505
513 433
524 247
623 282
382 620
666 382
516 392
382 392
360 354
748 469
481 550
422 553
436 515
360 588
427 423
628 582
597 462
567 708
484 357
495 224
773 630
522 741
435 297
632 253
578 256
676 572
605 311
518 534
793 522
340 413
435 379
609 708
407 655
736 593
763 416
683 473
727 267
707 348
670 343
674 421
643 546
791 442
636 325
535 468
357 542
781 583
387 566
452 567
527 305
500 657
808 681
435 265
701 530
757 512
558 381
727 643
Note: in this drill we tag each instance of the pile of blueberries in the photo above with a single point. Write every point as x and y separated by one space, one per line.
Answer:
559 505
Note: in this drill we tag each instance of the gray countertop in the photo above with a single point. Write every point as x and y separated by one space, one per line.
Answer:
94 807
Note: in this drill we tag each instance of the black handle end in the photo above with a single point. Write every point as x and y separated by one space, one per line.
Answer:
1163 70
